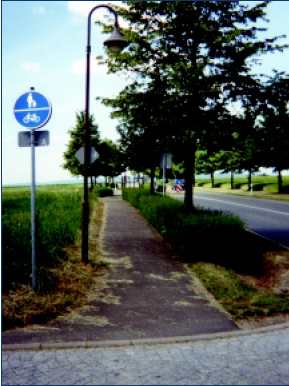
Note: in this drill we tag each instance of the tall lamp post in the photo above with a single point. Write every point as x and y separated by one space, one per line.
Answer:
115 43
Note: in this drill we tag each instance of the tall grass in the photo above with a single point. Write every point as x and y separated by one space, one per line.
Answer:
201 235
58 223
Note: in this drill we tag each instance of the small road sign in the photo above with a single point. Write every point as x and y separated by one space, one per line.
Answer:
166 161
80 155
32 110
41 138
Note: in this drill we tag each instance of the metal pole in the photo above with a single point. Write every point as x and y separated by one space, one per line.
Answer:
33 213
87 139
85 203
164 172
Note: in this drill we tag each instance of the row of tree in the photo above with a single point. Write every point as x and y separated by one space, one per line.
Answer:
258 136
190 61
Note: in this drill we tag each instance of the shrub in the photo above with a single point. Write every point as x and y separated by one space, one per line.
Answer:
258 187
201 183
104 192
201 235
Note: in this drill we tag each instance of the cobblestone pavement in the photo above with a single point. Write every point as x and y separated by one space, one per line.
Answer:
255 358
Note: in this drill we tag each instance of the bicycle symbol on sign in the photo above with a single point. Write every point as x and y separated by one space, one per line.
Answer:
31 118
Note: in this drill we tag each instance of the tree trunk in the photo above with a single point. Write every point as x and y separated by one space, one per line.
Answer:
249 178
212 179
91 183
280 181
189 166
232 179
152 180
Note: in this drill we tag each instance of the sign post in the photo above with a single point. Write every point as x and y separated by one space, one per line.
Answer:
32 110
166 163
33 213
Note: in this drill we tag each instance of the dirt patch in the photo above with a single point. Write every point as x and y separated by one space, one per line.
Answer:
275 279
275 276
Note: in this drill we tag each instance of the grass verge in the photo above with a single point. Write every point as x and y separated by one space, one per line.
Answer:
239 298
240 269
64 280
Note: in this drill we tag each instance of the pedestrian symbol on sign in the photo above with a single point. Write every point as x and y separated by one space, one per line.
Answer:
30 101
32 110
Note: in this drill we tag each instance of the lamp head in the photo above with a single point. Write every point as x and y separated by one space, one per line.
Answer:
115 42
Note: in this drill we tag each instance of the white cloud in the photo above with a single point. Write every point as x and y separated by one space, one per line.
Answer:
82 8
96 67
30 66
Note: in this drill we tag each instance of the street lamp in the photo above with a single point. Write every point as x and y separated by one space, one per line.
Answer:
115 43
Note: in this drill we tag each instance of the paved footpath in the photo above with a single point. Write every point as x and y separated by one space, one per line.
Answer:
259 358
147 295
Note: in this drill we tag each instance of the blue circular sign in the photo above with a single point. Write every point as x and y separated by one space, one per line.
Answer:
32 110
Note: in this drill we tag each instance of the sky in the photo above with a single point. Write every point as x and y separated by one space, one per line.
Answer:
43 46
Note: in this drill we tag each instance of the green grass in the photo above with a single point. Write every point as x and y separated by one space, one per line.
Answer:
267 184
58 223
64 280
201 235
218 250
237 297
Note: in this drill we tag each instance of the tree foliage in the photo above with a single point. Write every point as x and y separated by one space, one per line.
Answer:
110 162
76 141
190 59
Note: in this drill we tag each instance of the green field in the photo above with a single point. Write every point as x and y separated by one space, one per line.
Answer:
58 222
266 184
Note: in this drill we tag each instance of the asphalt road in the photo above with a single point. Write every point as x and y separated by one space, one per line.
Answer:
269 218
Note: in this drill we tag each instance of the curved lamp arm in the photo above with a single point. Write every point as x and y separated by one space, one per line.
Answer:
90 15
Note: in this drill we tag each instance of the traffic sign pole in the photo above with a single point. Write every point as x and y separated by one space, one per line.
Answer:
33 213
164 173
32 110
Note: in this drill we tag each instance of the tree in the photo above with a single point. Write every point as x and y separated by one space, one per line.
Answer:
275 126
208 163
76 142
202 51
111 161
144 125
